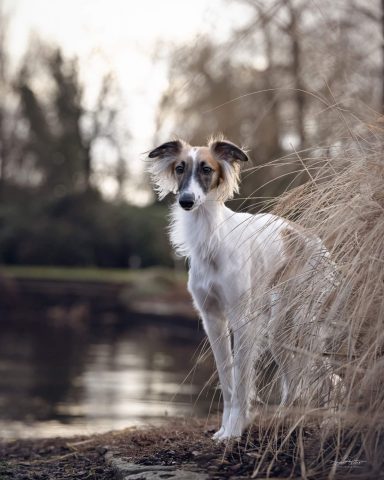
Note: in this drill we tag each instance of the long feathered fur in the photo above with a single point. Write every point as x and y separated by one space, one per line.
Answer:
244 271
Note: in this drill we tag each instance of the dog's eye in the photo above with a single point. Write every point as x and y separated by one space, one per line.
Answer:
179 169
207 170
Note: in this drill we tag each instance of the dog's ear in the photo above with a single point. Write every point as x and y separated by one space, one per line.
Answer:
168 149
161 169
229 156
228 151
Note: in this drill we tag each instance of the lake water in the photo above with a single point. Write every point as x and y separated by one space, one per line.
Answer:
58 379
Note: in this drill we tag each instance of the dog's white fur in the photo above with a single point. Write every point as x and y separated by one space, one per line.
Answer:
234 259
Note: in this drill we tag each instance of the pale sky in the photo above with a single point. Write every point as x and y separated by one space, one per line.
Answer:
121 36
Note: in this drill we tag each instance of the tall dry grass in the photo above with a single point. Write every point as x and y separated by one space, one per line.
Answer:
329 333
332 339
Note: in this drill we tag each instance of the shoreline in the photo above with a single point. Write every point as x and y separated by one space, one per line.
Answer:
155 292
182 449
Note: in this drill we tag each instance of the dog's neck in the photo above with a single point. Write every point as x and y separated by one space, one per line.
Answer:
198 232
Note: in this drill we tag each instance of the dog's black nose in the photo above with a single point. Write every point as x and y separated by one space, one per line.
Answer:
187 200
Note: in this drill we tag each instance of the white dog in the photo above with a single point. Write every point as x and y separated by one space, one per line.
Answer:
237 262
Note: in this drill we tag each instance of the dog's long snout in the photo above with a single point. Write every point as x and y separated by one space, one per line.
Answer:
187 200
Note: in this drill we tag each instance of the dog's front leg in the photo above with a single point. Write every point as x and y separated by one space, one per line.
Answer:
239 418
220 341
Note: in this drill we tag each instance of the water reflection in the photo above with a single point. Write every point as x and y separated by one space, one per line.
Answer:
61 380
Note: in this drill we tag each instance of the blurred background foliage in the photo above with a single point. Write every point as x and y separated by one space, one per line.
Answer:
278 84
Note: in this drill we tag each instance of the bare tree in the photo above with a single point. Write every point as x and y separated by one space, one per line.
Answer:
3 88
293 31
62 132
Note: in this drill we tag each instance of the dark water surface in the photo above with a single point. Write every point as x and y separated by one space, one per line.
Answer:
59 379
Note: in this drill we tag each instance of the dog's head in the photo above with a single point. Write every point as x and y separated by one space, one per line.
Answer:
197 173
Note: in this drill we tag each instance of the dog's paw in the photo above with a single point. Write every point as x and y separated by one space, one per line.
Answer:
232 429
217 436
226 438
223 436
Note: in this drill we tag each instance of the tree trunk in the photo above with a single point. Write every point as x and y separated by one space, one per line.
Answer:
271 93
296 72
2 157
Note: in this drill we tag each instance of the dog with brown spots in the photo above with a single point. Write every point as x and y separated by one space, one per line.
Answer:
238 263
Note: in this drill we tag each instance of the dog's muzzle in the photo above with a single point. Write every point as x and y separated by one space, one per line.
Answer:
187 200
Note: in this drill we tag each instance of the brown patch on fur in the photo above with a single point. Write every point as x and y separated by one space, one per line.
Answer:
213 264
208 300
204 154
212 303
293 245
203 157
296 226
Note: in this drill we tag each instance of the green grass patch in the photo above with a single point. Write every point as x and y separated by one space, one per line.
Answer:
149 275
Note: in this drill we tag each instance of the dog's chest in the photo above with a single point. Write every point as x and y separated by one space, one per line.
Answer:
218 284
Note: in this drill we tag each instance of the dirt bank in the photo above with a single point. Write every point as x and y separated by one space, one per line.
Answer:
181 446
